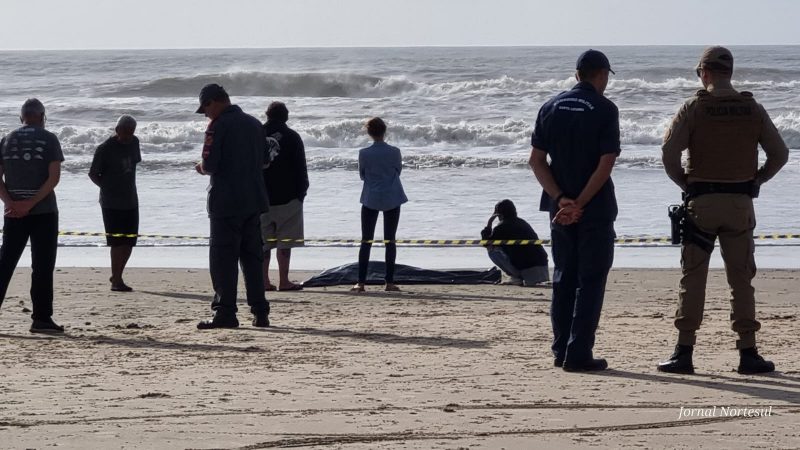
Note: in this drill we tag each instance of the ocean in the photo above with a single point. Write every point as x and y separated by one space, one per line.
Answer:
462 117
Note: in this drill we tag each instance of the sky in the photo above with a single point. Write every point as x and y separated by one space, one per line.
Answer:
146 24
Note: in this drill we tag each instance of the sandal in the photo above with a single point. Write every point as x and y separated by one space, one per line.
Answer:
358 288
270 288
391 287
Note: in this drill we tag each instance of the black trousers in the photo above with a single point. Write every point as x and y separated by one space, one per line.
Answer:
582 255
369 219
236 240
42 229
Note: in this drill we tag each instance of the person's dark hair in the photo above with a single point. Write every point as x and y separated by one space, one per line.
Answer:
506 209
588 74
376 128
278 112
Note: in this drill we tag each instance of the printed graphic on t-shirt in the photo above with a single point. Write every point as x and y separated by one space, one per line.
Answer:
273 148
26 156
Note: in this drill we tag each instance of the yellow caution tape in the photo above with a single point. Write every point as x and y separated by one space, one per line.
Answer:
419 242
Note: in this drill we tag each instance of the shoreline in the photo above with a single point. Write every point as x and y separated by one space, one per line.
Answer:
317 259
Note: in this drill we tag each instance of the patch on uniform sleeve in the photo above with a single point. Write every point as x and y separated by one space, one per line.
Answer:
746 93
702 93
208 143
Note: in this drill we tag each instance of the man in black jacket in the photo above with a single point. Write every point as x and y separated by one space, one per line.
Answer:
286 180
525 264
233 156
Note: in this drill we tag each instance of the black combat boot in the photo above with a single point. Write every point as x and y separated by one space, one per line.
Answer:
680 361
751 362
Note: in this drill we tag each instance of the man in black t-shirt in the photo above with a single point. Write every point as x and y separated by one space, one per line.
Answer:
286 180
114 171
525 264
30 169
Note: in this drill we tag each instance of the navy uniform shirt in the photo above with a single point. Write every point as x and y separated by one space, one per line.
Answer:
233 154
576 128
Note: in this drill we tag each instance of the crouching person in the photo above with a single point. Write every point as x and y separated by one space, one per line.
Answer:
525 265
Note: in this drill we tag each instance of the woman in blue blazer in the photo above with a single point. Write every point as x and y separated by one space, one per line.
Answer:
379 165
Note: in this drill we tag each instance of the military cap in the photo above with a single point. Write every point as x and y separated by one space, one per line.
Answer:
716 58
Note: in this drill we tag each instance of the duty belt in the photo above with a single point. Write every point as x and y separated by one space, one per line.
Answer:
702 188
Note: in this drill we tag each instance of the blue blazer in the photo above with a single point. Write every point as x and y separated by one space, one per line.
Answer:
379 166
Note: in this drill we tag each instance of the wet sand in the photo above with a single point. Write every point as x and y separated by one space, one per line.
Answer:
441 367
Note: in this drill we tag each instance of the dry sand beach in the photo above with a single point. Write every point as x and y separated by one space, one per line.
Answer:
432 367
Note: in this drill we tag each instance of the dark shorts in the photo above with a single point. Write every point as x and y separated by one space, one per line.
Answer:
121 221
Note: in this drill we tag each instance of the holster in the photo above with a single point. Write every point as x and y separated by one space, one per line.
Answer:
684 230
696 236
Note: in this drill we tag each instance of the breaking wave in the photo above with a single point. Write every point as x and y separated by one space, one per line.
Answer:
349 134
272 84
351 85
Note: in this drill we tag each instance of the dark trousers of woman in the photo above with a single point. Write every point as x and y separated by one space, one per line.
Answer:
42 230
369 219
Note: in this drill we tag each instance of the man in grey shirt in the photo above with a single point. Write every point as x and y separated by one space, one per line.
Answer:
30 169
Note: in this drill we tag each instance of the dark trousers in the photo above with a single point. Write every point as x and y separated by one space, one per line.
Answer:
582 254
369 219
42 229
236 240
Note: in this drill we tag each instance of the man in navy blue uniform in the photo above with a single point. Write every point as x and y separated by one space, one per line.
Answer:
579 131
233 155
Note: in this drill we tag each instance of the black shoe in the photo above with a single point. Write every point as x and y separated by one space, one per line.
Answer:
46 326
122 287
751 362
679 362
558 362
586 366
218 322
261 321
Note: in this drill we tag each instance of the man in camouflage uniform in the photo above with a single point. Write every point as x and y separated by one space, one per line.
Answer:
721 128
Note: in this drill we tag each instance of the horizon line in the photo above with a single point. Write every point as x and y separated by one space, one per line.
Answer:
291 47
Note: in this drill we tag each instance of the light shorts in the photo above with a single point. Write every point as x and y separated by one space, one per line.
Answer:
283 222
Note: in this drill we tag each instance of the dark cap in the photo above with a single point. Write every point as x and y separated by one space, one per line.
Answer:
32 106
716 58
593 60
209 93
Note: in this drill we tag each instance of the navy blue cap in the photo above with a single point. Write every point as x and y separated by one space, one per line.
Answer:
210 92
592 60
